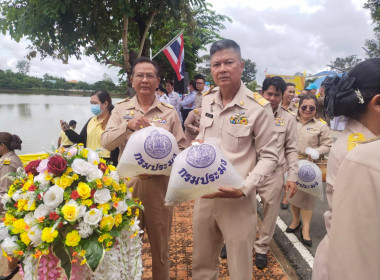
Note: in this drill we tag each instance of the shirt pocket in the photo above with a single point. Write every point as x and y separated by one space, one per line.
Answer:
206 122
281 133
235 136
313 138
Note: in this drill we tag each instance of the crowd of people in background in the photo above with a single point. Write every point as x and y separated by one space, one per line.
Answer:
263 134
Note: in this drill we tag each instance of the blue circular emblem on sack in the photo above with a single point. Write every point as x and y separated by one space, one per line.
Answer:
157 145
201 156
306 173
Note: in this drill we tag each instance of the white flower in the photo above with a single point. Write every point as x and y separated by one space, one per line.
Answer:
80 166
29 219
5 199
17 195
53 197
40 178
121 207
42 167
3 232
102 196
114 176
41 211
34 235
84 230
93 216
94 173
93 156
9 245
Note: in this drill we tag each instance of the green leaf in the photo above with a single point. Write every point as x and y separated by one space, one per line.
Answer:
60 252
94 251
114 233
132 203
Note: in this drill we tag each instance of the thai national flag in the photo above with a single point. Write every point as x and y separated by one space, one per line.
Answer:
175 52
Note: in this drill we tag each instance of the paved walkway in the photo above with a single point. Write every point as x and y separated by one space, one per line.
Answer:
181 244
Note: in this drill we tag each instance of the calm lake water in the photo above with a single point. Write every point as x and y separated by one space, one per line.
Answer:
35 118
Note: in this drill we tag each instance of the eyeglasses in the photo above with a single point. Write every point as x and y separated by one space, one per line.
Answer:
304 108
142 76
199 83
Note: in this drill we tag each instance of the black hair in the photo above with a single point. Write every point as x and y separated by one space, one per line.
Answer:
161 88
193 84
103 97
11 141
72 122
171 82
224 44
290 85
275 81
199 76
350 95
307 97
144 59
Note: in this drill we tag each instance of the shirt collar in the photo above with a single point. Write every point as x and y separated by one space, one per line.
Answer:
240 98
134 104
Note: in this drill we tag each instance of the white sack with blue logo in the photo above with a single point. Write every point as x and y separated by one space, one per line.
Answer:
309 178
150 150
200 170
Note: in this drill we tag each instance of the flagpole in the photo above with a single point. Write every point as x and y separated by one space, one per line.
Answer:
168 44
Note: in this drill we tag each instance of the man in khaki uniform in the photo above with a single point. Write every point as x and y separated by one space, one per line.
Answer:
286 127
128 116
242 123
355 230
287 99
192 125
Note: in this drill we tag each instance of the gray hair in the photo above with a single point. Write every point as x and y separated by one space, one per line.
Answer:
225 44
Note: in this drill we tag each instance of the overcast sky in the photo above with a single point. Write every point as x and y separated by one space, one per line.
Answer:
283 37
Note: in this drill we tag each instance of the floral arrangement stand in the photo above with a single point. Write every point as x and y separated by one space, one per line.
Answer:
70 216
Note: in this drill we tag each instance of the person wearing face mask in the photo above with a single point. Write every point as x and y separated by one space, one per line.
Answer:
101 107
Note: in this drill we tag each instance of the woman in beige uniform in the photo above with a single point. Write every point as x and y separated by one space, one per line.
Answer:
315 134
9 162
354 96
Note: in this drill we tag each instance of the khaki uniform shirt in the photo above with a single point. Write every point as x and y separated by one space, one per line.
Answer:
287 141
292 108
337 153
192 124
8 163
244 131
314 134
355 232
160 114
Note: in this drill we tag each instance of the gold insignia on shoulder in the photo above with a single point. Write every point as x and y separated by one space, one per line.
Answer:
124 100
290 112
297 104
196 111
241 102
259 99
7 161
210 90
322 120
354 140
167 105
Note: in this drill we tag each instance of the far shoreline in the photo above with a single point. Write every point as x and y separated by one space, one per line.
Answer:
58 92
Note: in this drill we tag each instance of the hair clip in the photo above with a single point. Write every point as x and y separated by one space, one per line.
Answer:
360 96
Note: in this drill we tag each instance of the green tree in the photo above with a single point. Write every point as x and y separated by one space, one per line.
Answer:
249 72
373 45
23 66
344 64
62 29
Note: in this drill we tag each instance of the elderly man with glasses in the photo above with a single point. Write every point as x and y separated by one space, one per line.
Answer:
128 116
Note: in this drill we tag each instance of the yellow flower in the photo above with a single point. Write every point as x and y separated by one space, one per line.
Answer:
87 202
69 170
111 167
132 222
12 190
83 262
70 211
31 207
64 181
103 161
27 185
104 236
99 183
107 181
130 189
20 204
18 226
116 186
118 219
129 212
105 207
48 235
123 188
82 253
9 219
75 176
84 153
25 238
109 244
72 238
84 190
107 222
